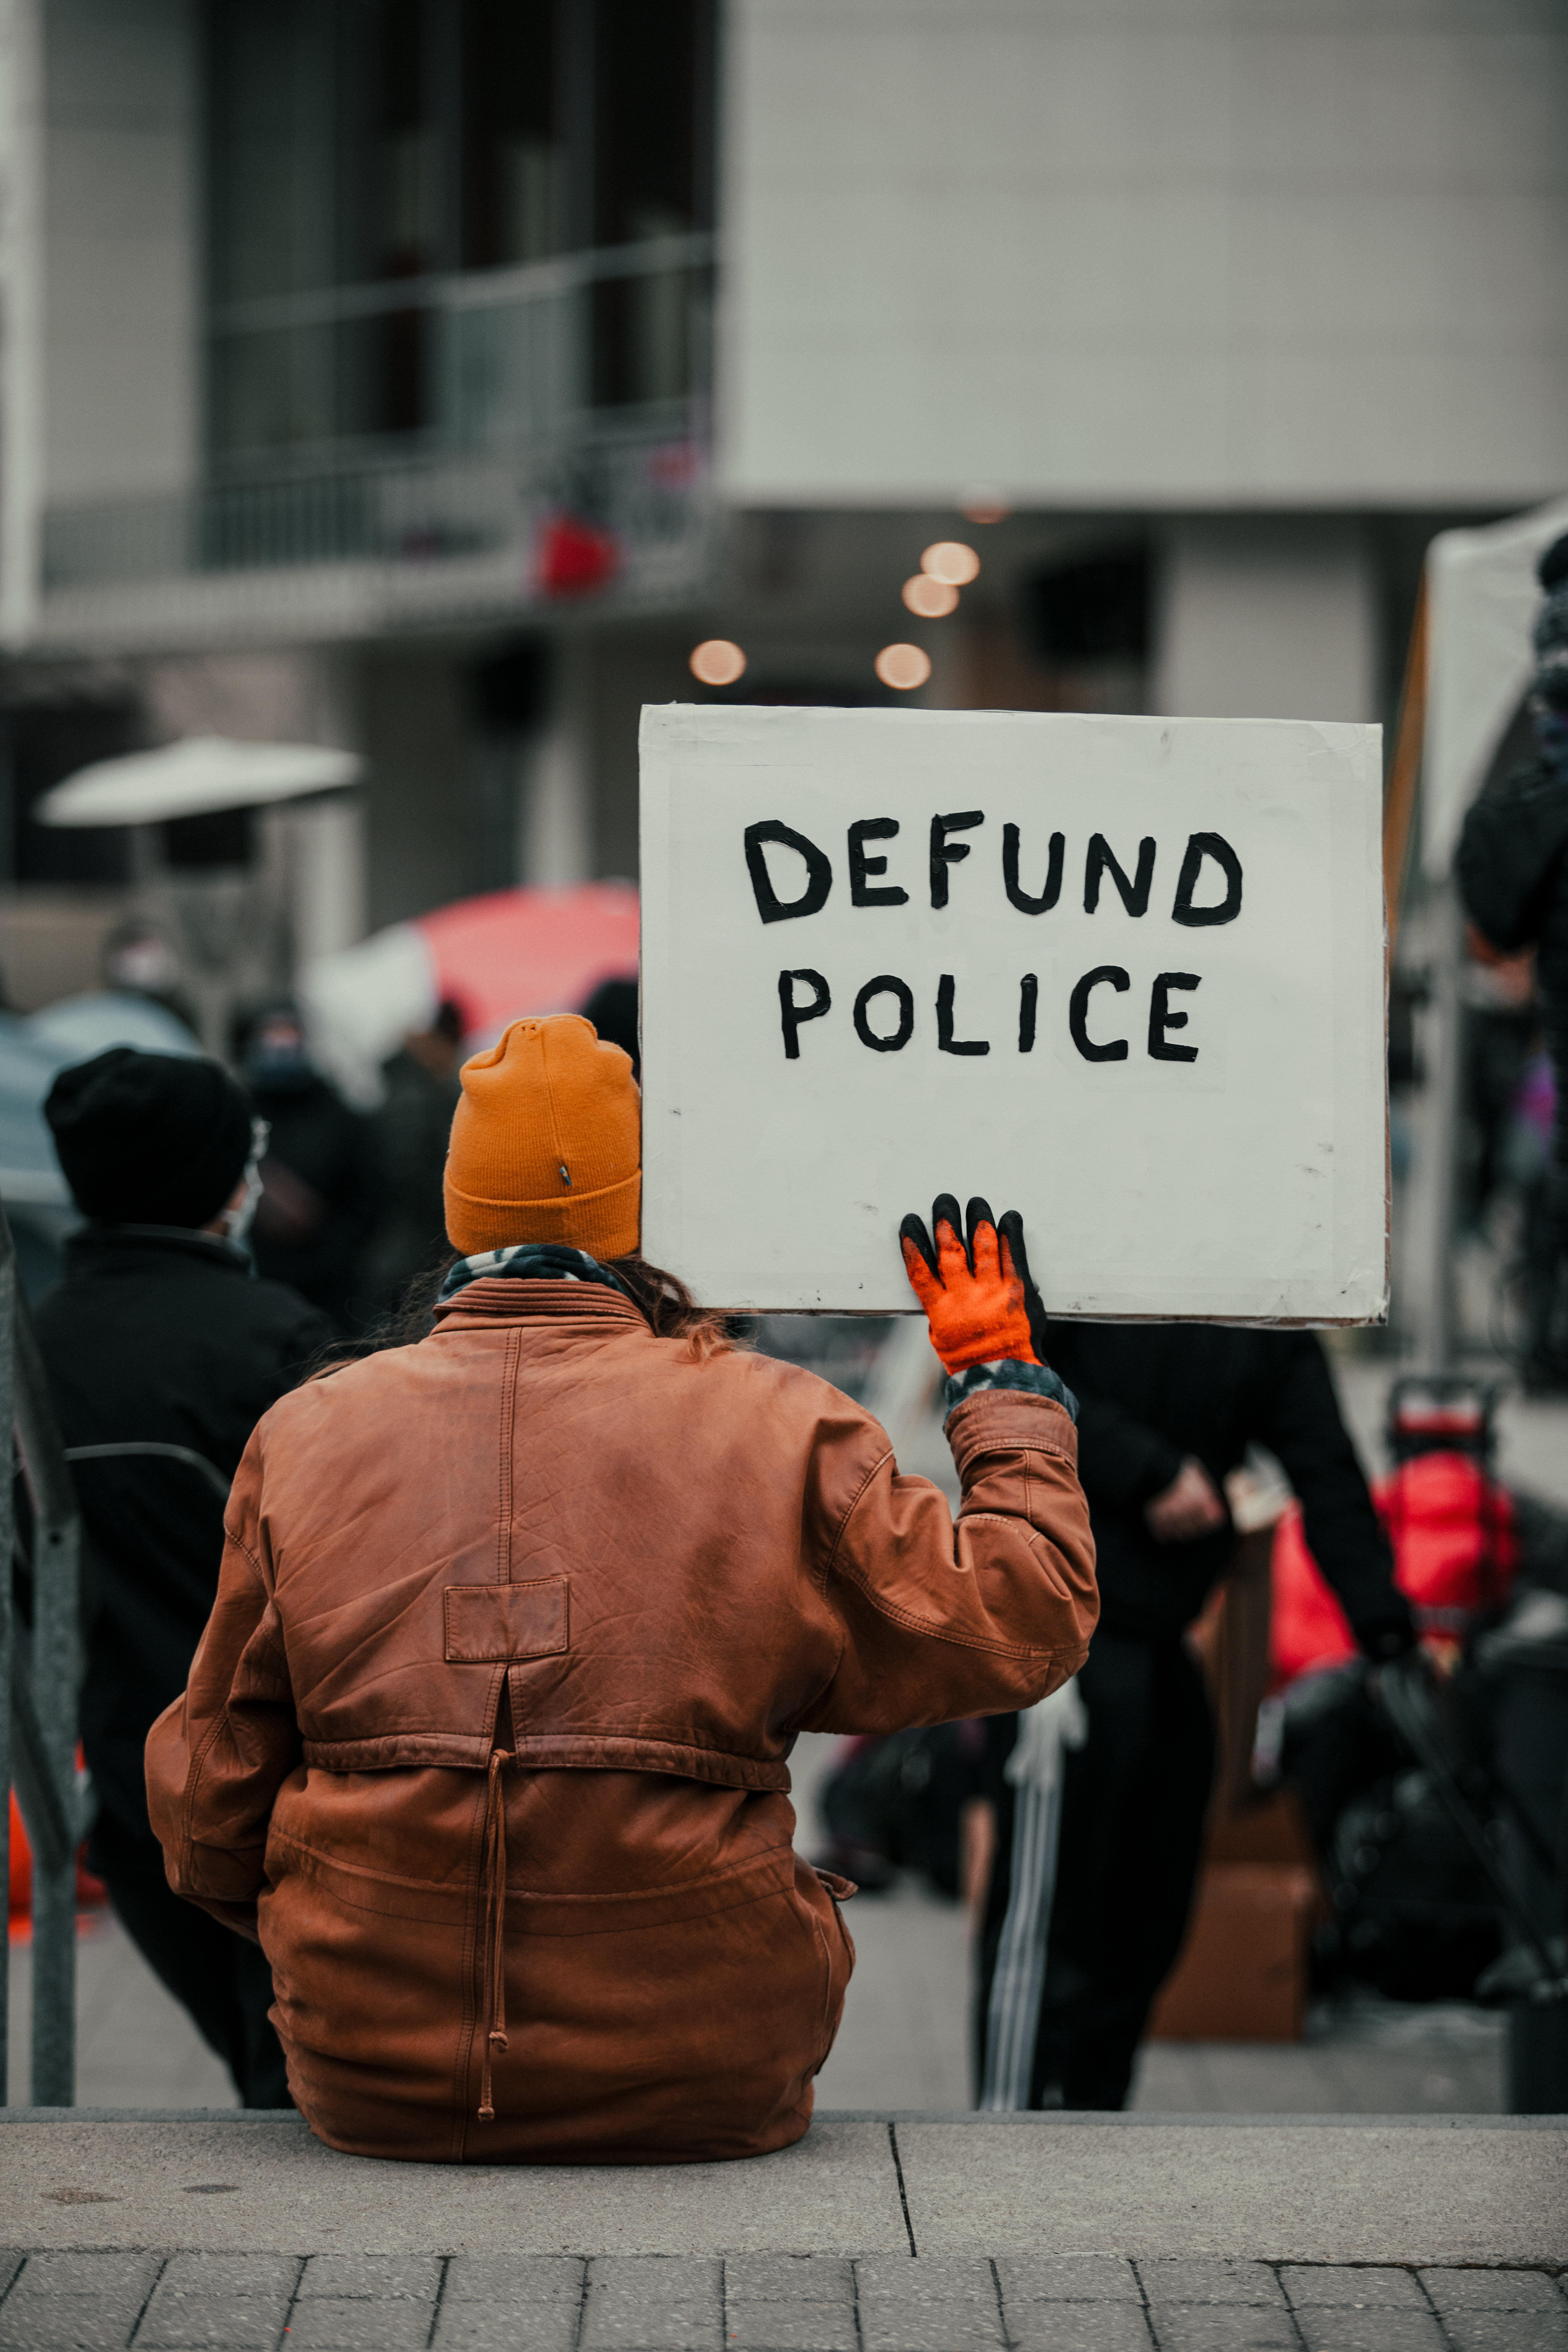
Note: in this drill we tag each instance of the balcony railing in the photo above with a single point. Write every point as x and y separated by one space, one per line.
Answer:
569 395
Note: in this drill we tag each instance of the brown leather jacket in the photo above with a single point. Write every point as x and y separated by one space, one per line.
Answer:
486 1735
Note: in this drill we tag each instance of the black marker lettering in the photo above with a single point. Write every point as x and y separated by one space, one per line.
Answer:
1199 846
945 853
1028 1004
1053 890
861 894
1161 1018
819 874
792 1015
886 983
1134 894
1077 1013
946 1042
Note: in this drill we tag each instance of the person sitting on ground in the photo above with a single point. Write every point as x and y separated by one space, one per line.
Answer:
158 1334
487 1738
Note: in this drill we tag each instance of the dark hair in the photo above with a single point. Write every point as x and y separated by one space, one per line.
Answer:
663 1299
671 1310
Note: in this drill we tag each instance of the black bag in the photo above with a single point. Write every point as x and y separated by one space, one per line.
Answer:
1509 857
903 1798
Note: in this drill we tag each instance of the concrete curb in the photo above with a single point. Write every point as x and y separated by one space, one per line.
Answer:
1053 2119
1485 2189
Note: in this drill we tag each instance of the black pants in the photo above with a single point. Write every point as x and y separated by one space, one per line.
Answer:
221 1979
1133 1798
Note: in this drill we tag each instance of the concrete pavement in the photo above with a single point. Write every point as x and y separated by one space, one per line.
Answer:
158 2301
912 2233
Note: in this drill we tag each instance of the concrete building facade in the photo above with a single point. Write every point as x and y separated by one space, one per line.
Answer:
431 375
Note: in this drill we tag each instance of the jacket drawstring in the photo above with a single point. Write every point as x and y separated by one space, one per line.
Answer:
495 1923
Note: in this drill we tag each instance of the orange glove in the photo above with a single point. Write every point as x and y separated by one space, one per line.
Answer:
979 1299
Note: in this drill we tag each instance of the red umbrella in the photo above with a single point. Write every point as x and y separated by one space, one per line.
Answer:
496 958
515 952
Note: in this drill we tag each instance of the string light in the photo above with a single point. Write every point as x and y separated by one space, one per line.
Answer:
903 668
951 562
932 599
718 662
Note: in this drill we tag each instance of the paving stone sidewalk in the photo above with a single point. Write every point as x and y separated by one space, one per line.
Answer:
123 2302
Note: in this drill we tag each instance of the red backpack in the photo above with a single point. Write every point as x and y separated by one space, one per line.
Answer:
1451 1524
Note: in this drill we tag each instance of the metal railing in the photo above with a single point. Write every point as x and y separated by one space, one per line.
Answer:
577 384
40 1678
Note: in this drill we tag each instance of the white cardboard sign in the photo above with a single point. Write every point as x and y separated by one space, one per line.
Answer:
1124 975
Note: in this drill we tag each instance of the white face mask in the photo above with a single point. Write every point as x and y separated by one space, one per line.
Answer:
237 1223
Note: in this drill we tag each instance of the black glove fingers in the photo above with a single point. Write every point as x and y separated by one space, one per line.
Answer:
1012 1229
945 1211
913 1229
977 1214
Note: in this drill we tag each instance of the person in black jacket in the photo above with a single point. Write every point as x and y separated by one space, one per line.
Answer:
159 1333
1110 1780
1512 872
408 1135
317 1189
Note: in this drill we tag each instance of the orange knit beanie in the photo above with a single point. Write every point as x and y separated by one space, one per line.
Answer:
546 1143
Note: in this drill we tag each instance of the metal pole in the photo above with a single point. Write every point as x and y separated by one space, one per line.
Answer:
42 1683
7 1550
55 1680
1436 1333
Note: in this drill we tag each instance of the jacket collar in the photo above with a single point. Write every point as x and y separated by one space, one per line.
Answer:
93 1247
504 1298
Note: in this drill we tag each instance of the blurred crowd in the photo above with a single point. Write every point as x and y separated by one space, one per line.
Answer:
349 1211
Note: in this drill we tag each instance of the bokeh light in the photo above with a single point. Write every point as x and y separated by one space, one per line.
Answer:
950 562
903 668
929 598
718 662
981 507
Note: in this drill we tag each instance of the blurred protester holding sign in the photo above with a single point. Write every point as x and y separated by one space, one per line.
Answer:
1101 1797
317 1187
407 1151
158 1339
541 1602
1513 871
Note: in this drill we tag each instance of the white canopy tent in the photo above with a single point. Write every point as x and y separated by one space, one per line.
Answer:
1482 597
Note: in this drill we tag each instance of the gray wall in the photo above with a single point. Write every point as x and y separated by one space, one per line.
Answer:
419 819
1155 252
121 252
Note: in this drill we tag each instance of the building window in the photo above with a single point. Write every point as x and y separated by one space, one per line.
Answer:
357 147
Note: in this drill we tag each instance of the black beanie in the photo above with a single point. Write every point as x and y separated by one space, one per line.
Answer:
148 1138
1553 568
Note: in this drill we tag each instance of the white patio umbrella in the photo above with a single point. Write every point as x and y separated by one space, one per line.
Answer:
229 923
197 777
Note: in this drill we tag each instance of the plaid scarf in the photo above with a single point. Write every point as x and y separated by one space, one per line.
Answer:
530 1262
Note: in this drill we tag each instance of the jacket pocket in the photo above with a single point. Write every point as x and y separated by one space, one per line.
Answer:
814 1891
